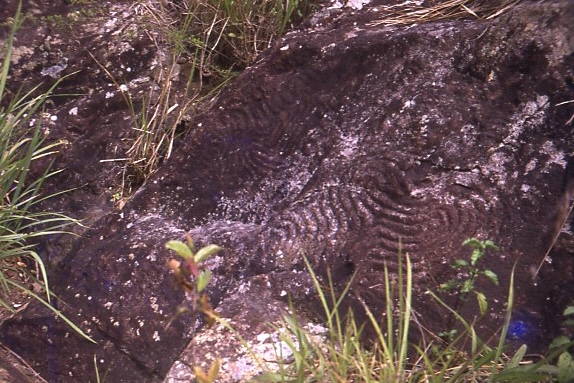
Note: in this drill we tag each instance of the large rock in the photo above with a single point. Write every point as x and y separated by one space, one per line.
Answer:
337 144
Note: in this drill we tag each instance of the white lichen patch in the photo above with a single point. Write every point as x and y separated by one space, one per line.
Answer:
530 166
408 105
110 25
348 145
155 305
555 156
530 115
497 168
19 53
270 349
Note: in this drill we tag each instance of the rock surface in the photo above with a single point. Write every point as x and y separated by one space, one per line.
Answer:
337 143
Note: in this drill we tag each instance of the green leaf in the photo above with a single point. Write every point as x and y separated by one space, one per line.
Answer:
482 303
475 256
559 342
569 311
489 244
473 242
180 248
450 285
203 280
521 374
565 368
467 286
517 358
491 275
460 263
206 252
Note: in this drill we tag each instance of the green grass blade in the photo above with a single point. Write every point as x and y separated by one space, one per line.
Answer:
506 325
53 309
8 49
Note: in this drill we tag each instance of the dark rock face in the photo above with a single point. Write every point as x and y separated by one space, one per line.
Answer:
338 144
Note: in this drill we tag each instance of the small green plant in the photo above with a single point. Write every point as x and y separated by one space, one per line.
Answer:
563 345
192 276
22 145
563 369
463 288
556 366
341 356
210 41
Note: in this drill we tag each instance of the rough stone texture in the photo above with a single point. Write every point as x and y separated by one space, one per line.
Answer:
90 116
430 134
102 48
336 144
264 347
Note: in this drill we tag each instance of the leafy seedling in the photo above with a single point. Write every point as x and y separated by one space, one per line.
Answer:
463 288
192 276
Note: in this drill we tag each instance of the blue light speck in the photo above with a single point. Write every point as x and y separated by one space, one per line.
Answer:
517 329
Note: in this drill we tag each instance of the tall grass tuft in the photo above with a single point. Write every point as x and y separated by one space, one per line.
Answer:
22 144
213 40
226 34
415 12
341 355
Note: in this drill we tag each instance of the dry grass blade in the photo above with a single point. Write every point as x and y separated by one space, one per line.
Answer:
412 14
564 212
154 138
209 41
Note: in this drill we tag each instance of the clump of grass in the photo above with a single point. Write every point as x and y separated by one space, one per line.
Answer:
225 34
23 144
415 12
214 40
153 134
341 356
